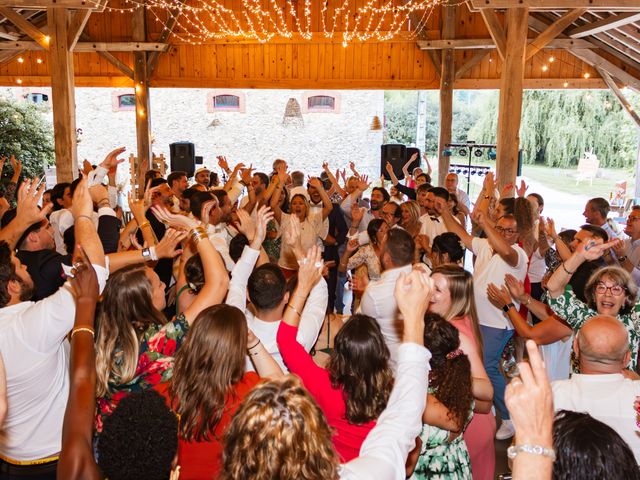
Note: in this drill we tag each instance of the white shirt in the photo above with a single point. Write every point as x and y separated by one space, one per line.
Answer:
220 239
463 197
379 302
310 232
36 357
608 398
346 210
491 268
432 226
537 267
557 359
384 452
311 318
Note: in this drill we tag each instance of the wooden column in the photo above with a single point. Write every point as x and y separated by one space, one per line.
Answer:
510 109
62 95
446 90
141 82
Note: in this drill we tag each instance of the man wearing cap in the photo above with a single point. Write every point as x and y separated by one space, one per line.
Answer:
203 176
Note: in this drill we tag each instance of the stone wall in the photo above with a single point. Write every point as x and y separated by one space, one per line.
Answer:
255 136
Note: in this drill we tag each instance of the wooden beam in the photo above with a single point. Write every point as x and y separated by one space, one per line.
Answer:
152 60
469 64
62 95
446 91
487 43
121 47
116 62
533 83
95 5
26 26
552 31
436 59
141 82
597 61
78 22
612 21
620 96
434 56
495 30
511 88
594 5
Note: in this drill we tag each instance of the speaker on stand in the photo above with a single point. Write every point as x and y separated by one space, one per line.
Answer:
183 157
396 155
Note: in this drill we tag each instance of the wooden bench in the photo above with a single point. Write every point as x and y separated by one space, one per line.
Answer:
587 169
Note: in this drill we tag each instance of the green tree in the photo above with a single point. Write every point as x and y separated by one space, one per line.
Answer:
25 133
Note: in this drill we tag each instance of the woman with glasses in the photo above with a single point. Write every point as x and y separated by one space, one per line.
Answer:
609 291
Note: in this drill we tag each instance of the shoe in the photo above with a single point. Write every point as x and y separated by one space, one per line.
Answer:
506 430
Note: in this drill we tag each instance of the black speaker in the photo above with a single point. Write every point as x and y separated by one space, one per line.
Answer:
199 160
396 155
183 157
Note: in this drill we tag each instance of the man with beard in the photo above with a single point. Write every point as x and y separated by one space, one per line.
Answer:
203 177
33 342
432 223
379 198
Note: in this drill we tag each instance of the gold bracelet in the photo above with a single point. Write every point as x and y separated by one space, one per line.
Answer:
294 309
144 224
83 329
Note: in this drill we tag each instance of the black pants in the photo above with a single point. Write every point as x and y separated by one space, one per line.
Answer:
536 293
42 471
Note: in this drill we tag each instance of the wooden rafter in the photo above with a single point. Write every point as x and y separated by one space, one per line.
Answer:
78 22
95 5
152 61
435 57
26 26
620 96
495 30
469 64
609 23
83 47
552 31
597 61
112 59
487 44
601 5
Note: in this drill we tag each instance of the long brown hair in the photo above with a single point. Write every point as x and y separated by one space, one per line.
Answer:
210 361
463 301
279 432
126 311
450 375
359 364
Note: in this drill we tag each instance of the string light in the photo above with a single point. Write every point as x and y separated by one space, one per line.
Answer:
203 21
565 84
20 60
586 75
39 60
19 81
545 68
551 59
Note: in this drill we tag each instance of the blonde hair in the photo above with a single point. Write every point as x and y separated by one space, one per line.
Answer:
463 302
413 208
279 432
126 311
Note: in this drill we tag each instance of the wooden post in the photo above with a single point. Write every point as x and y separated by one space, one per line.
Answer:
510 109
62 95
446 91
141 82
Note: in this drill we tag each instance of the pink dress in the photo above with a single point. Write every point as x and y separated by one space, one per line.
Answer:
480 433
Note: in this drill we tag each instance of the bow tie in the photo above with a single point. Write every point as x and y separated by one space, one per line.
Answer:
434 219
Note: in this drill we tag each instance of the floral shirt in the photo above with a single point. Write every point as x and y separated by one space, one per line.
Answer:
155 365
576 313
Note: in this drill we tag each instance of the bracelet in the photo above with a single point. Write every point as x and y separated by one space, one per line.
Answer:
514 450
528 300
565 269
146 254
144 224
102 202
294 309
154 254
83 329
84 216
257 343
622 259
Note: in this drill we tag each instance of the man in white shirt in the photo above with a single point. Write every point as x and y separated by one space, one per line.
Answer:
601 389
216 206
378 300
451 184
630 257
432 223
497 255
596 212
267 289
34 346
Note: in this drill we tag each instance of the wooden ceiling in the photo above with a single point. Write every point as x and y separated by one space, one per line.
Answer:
581 37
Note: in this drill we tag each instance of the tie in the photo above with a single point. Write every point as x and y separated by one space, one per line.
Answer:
434 219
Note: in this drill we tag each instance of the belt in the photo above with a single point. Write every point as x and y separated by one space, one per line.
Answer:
39 461
41 467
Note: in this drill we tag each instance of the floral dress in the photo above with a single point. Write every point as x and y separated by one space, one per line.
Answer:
440 459
155 365
576 313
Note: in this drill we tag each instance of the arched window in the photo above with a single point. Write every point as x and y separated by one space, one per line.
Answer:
38 97
226 102
127 101
321 103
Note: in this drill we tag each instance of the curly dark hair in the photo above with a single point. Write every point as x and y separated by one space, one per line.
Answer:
450 378
194 272
359 364
139 439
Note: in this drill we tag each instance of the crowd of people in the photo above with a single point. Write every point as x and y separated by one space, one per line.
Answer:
178 340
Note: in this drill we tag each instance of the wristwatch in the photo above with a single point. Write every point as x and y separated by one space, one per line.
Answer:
622 259
506 308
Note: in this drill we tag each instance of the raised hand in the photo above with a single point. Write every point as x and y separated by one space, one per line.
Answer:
594 248
28 198
206 210
506 190
310 270
352 166
16 165
412 293
316 183
137 208
111 161
489 183
84 281
357 213
522 189
86 167
263 217
352 245
515 287
389 168
82 205
245 224
550 227
222 163
363 183
246 174
480 218
166 248
440 205
179 222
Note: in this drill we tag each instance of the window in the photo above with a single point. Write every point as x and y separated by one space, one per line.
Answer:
127 102
225 100
321 102
38 97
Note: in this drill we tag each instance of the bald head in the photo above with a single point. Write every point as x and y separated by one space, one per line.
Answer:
603 342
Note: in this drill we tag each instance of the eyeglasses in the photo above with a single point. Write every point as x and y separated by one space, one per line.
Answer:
509 231
632 219
616 290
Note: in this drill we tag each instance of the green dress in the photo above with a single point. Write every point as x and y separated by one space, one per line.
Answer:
441 460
